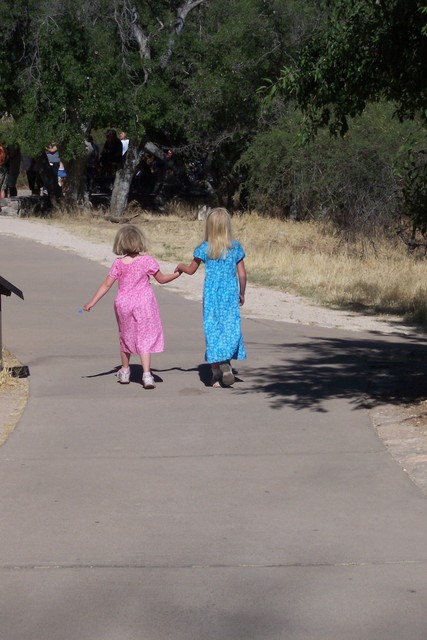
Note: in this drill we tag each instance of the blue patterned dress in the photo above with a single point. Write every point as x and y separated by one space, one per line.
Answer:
221 308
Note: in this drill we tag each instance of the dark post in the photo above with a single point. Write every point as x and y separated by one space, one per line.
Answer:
6 289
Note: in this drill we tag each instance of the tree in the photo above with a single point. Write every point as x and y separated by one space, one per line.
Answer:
363 51
182 73
237 45
73 65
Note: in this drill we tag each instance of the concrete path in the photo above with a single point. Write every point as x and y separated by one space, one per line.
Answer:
269 511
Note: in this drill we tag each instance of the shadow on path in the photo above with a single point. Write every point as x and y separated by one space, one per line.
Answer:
365 372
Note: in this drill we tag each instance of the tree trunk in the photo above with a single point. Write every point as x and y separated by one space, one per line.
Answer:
76 187
122 181
181 16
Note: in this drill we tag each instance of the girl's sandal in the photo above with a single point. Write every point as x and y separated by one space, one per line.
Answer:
216 378
227 374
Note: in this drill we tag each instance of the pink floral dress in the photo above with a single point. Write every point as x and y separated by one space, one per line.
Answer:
135 305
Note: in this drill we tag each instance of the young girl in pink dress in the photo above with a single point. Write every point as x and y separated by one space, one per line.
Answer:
135 305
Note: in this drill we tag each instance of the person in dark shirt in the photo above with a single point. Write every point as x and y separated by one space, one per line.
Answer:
111 155
13 168
4 157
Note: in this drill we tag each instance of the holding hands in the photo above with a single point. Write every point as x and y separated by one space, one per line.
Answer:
189 269
178 269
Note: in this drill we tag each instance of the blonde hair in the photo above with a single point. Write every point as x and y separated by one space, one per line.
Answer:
129 239
218 233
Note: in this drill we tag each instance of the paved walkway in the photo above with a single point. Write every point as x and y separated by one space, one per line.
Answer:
269 511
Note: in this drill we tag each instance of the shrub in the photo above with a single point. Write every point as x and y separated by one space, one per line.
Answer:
349 180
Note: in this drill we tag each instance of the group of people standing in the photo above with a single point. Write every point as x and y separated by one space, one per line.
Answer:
113 151
105 164
44 171
136 309
47 171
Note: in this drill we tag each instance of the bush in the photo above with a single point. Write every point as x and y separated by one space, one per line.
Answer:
349 180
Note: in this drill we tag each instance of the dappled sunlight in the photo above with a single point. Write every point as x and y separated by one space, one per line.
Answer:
364 372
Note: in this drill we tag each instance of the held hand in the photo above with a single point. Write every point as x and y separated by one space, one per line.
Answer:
164 278
178 269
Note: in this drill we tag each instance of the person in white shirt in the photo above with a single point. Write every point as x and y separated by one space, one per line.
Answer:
125 141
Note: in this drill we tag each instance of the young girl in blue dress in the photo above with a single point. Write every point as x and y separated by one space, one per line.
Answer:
223 294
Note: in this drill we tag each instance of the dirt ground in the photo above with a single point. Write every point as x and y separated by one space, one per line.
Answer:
400 419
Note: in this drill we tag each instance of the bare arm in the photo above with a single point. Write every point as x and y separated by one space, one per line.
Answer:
102 290
241 274
189 269
164 278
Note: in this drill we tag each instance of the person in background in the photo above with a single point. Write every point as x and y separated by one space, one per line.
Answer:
53 158
4 157
223 294
62 176
92 161
13 168
111 155
33 177
125 141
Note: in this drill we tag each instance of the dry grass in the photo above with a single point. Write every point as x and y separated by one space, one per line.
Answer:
13 396
305 258
6 378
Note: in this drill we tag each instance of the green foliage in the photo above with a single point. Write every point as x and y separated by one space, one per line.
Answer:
414 189
363 51
351 179
74 65
60 78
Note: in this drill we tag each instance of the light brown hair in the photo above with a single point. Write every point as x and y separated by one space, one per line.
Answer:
129 240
